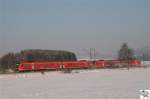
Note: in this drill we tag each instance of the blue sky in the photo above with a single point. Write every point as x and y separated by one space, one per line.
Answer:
75 25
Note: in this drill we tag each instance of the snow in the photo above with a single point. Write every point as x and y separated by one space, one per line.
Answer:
84 84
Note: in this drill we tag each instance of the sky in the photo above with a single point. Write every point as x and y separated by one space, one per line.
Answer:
74 25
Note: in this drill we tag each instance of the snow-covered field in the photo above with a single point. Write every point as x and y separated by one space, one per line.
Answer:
93 84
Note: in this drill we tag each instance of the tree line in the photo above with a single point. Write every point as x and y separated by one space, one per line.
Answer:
10 61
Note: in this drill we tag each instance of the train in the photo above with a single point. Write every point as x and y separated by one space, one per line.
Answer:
82 64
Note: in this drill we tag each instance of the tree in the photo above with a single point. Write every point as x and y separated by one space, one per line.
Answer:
144 54
8 61
125 53
34 55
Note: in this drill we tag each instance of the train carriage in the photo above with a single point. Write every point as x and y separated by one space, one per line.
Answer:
28 66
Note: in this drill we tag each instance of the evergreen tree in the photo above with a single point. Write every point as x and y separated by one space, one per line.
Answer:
125 53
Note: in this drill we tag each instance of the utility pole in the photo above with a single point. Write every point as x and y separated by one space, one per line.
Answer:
94 55
94 61
90 54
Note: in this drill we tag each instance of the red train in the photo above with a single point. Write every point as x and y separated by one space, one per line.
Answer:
28 66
